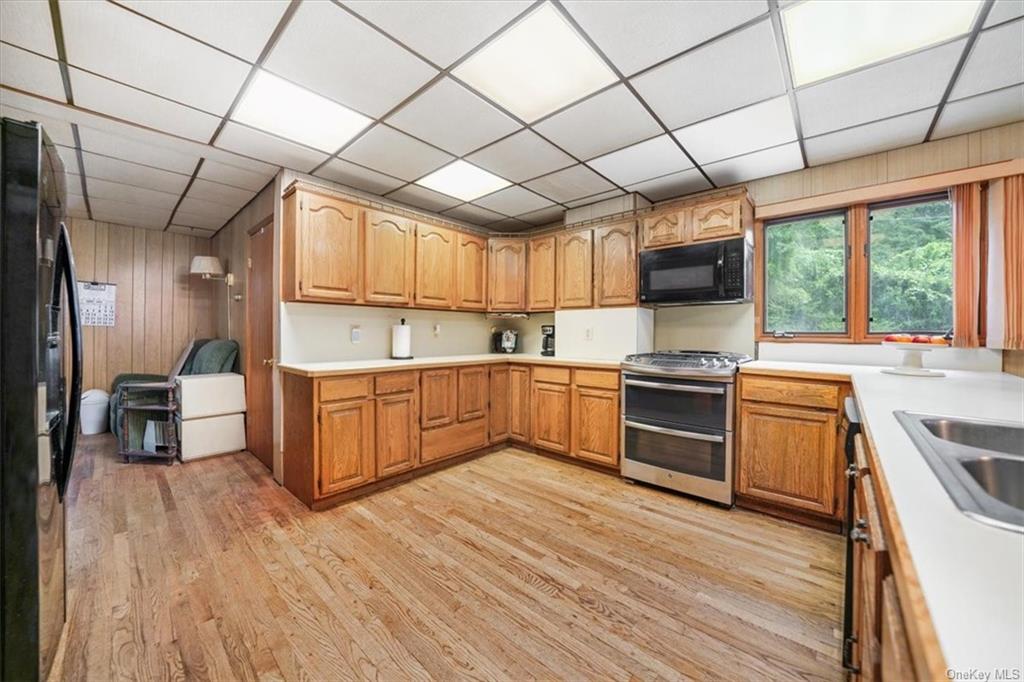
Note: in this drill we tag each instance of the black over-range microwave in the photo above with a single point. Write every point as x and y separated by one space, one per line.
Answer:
716 272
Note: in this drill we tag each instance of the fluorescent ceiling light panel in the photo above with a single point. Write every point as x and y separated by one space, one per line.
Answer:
827 37
463 181
276 106
539 65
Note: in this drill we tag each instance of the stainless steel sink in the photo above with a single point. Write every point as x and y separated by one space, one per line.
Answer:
979 462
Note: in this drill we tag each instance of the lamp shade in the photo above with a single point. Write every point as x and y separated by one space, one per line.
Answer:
206 265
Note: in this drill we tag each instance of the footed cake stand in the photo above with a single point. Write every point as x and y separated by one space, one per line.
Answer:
911 364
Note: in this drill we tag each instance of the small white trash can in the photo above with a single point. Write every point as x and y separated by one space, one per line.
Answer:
94 411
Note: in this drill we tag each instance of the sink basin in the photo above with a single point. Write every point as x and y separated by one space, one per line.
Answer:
979 462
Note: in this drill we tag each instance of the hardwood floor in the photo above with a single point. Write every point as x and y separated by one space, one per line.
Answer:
512 566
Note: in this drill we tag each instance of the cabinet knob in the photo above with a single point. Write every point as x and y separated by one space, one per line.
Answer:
851 471
858 535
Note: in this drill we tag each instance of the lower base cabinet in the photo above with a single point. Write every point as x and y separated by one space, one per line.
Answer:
576 413
398 434
519 403
551 416
346 445
595 425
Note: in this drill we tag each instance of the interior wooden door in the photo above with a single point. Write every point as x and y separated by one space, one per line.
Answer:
398 433
498 410
346 448
390 263
435 266
471 272
331 236
615 264
506 274
439 397
259 345
595 425
473 393
540 274
519 403
551 414
574 269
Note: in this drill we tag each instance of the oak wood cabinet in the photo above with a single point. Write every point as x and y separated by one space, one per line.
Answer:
615 277
595 424
500 396
473 393
439 396
697 220
471 272
540 273
664 229
551 416
398 433
346 445
436 251
506 274
390 264
322 247
574 264
519 403
718 219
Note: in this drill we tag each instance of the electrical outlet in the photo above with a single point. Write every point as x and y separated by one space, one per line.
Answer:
588 334
357 334
437 330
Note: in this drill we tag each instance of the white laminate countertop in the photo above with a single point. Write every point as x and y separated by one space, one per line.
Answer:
387 364
971 574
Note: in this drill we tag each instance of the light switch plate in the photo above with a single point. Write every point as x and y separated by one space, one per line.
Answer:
357 334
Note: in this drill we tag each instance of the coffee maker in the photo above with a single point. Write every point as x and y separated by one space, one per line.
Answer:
504 341
547 342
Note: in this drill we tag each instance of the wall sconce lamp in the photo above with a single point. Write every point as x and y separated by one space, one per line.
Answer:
210 268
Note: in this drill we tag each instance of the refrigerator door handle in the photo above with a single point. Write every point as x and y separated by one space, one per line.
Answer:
65 270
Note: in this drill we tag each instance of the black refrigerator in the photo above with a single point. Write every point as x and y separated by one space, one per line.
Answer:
40 392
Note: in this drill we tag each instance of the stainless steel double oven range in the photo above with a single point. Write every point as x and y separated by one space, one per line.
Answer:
677 421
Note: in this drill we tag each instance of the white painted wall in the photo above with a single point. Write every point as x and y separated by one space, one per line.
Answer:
603 333
706 327
978 359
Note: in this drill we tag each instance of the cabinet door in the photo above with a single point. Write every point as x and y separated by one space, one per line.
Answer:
551 415
896 661
506 274
472 393
615 264
498 412
595 425
519 403
870 568
717 219
439 397
574 268
390 258
788 456
346 445
398 433
540 274
664 229
435 266
471 272
331 236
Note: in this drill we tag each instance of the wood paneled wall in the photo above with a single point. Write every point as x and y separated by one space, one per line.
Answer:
1013 362
159 306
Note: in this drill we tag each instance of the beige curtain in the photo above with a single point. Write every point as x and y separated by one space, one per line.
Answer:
1013 261
966 200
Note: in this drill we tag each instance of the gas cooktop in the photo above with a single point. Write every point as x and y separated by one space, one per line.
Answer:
685 362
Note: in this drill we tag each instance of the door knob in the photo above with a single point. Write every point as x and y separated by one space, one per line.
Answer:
268 362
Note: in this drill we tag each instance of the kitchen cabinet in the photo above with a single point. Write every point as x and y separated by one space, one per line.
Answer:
540 274
471 272
322 249
551 416
574 269
435 266
346 445
595 424
870 568
506 275
896 661
615 277
519 403
390 258
439 396
473 393
398 433
718 219
698 220
498 414
664 229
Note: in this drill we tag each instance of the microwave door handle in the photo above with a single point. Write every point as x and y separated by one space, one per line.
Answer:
720 270
682 388
673 432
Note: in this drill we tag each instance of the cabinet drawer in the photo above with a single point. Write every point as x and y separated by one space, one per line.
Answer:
447 441
343 388
598 378
396 382
552 375
802 393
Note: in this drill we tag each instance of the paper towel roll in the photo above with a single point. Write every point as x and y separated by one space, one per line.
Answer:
401 341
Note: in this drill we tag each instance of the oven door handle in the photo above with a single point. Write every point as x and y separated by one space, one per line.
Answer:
682 388
672 432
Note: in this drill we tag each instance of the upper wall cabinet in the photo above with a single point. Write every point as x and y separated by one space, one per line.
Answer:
507 274
390 258
540 274
664 229
615 264
719 219
573 269
322 246
471 272
435 266
705 219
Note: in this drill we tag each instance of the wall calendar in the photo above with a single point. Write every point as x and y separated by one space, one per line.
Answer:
98 302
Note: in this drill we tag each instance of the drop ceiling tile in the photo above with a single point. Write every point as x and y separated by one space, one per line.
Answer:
440 31
996 61
571 183
746 130
916 81
727 74
1004 10
607 121
513 201
424 198
109 40
59 130
137 151
870 138
544 216
129 104
346 173
26 71
229 196
28 25
475 215
191 231
649 159
521 156
205 222
116 170
509 225
453 118
635 35
395 153
981 111
211 209
244 178
251 21
593 199
125 193
333 53
123 213
250 142
757 165
672 185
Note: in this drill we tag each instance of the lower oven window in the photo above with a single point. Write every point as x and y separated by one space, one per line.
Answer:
678 453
